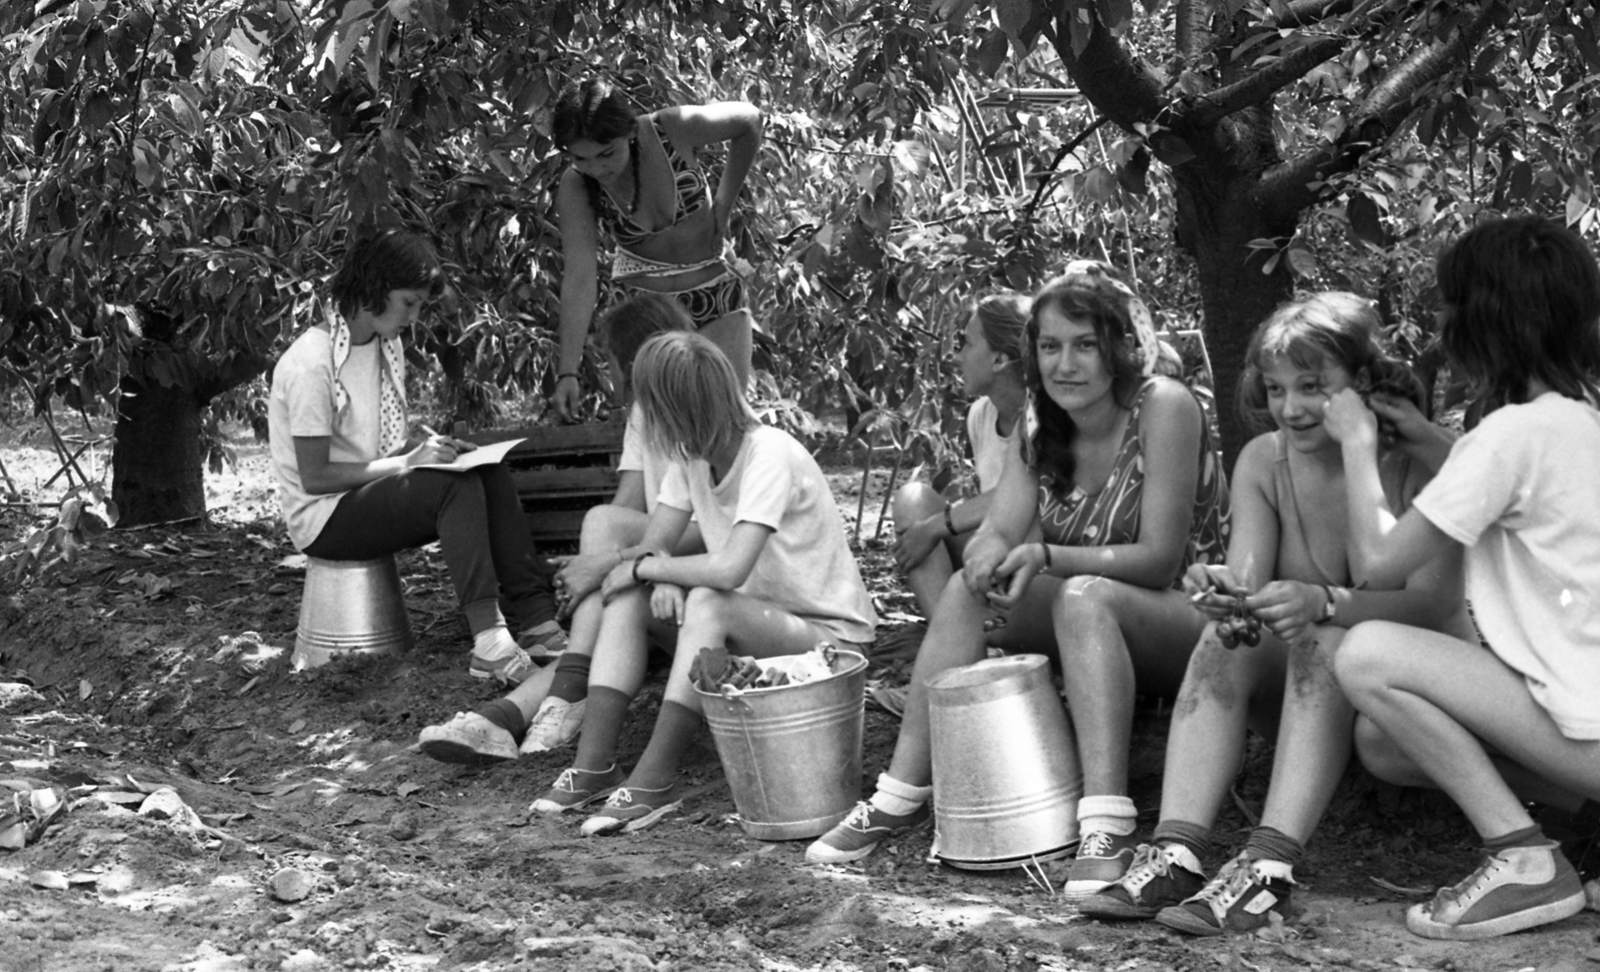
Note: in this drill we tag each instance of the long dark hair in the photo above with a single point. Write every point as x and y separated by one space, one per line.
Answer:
1097 297
1522 302
1331 327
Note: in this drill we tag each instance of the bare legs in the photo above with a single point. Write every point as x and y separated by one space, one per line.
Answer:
914 502
1442 704
1226 688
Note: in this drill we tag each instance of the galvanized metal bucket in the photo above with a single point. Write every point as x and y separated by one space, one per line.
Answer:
350 606
1006 779
792 754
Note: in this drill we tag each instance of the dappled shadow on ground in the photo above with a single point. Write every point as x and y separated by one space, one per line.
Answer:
299 830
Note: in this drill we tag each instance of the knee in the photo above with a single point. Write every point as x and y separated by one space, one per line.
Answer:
1361 659
1381 757
915 501
603 528
1214 669
704 606
1084 599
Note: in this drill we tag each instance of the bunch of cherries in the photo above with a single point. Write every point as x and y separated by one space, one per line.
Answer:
1241 627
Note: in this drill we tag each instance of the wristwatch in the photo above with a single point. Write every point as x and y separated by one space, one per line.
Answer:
1333 606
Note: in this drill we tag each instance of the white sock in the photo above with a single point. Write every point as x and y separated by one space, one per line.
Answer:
1107 815
492 643
897 798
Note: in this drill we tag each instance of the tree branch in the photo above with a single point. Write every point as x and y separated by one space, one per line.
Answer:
1304 13
1116 83
1050 173
1192 33
1376 120
1211 107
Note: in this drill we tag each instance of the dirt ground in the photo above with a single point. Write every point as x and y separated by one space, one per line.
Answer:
188 803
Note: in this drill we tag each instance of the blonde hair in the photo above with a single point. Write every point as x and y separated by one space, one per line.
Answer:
692 400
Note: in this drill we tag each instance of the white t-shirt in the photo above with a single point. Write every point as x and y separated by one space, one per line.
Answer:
988 445
1522 492
637 456
806 566
301 404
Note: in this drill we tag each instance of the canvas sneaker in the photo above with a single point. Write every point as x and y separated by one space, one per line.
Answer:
1241 898
1102 860
510 668
630 809
1513 889
858 834
543 642
577 788
469 739
555 724
1160 876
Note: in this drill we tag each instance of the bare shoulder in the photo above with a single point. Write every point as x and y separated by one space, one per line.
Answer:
1254 465
1167 400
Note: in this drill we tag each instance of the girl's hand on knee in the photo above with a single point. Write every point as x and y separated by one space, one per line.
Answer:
619 581
582 576
1289 608
666 603
1014 575
982 561
913 544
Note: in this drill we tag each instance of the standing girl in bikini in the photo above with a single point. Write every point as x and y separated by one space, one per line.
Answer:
637 176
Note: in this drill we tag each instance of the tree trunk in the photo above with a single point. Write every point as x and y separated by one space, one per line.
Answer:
156 470
1217 219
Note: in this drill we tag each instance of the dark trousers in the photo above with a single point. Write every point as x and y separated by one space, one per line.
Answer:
475 516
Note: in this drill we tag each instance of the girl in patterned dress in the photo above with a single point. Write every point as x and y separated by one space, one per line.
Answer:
1123 480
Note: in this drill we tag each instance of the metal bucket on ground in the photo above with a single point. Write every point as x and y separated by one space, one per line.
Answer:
792 754
350 606
1006 779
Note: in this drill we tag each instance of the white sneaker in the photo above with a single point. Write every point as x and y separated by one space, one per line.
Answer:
468 738
557 723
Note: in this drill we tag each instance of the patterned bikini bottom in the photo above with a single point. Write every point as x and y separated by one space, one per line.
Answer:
705 302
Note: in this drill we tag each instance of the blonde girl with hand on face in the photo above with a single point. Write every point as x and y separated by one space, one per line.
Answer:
1287 558
1122 481
1515 714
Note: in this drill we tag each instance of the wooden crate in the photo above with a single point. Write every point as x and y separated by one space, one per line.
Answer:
560 471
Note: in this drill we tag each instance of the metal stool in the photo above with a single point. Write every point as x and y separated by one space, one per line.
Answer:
350 606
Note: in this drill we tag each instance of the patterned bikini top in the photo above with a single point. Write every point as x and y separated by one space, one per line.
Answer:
689 182
1111 515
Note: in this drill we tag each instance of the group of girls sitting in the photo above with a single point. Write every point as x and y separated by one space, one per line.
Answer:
1336 620
1105 542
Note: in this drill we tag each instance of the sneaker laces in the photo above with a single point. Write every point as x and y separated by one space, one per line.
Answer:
1096 843
621 797
547 715
1149 863
860 816
1234 877
1472 882
566 780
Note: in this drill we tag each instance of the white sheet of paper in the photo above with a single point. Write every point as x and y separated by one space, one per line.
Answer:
481 456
